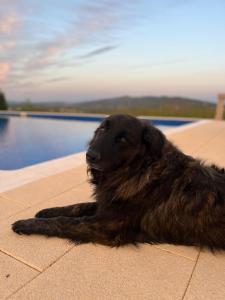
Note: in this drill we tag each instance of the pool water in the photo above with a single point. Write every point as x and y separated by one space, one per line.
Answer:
28 141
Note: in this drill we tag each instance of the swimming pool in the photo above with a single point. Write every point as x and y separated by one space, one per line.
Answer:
38 138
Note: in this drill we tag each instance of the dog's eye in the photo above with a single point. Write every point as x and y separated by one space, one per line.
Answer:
121 140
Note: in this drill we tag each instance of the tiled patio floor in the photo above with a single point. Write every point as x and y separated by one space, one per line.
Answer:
35 267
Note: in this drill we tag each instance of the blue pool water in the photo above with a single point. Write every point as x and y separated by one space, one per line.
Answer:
28 141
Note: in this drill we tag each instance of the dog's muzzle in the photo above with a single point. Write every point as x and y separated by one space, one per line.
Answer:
92 156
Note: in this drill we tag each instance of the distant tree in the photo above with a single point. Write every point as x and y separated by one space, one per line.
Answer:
3 103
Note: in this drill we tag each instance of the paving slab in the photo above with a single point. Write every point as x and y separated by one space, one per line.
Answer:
98 272
82 193
36 251
39 251
14 178
9 208
13 275
190 141
35 192
208 280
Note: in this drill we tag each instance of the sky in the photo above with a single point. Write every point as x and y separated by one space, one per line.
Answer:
82 50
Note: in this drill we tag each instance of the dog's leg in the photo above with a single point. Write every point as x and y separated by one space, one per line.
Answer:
77 210
80 230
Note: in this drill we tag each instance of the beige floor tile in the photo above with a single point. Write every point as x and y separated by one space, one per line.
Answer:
12 179
13 275
208 281
46 188
82 193
9 180
39 251
97 272
196 138
9 207
211 151
188 252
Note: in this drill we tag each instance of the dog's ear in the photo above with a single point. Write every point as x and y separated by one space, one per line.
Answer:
153 138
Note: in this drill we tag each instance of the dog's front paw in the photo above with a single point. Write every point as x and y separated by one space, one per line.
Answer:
49 212
23 226
44 213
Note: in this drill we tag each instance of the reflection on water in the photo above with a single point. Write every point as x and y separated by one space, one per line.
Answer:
4 123
27 141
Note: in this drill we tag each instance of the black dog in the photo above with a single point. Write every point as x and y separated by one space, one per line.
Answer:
146 191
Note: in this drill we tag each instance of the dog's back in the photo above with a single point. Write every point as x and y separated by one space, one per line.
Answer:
193 213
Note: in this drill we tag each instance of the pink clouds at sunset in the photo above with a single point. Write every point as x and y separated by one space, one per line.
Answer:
4 71
8 23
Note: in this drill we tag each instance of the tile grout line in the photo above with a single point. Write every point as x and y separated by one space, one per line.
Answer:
57 259
174 253
13 293
34 179
38 203
191 276
17 212
52 197
195 152
38 175
21 261
28 282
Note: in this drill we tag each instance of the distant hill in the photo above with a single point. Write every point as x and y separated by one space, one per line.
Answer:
147 105
147 102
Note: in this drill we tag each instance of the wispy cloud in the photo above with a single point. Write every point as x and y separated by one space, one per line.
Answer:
93 23
98 51
38 46
57 79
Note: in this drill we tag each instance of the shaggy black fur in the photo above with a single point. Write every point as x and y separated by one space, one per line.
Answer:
146 191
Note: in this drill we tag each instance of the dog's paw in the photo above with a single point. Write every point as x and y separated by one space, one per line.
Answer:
44 213
23 226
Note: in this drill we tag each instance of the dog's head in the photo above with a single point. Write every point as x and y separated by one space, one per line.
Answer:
120 139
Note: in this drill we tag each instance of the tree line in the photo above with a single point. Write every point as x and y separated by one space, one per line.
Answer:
3 102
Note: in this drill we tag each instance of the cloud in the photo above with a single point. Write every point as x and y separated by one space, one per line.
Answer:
43 58
98 51
41 45
4 70
9 23
58 79
91 23
7 45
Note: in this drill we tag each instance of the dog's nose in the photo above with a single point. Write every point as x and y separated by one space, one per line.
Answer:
92 156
